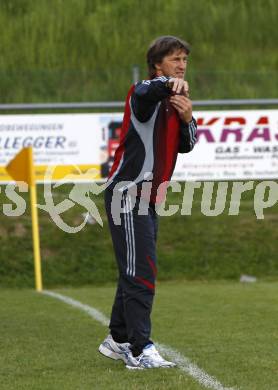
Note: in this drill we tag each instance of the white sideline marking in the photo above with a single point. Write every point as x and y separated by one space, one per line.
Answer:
94 313
192 369
183 362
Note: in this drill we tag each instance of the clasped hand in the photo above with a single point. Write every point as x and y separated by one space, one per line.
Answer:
180 100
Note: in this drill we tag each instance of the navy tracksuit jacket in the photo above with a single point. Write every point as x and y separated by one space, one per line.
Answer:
152 135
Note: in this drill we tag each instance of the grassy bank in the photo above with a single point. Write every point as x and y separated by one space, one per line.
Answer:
191 247
70 50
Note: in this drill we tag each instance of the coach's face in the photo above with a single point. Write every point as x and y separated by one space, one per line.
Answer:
173 65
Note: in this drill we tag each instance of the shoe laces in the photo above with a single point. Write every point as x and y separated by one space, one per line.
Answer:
154 354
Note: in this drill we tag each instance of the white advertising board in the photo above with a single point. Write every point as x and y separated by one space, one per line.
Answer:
65 141
232 145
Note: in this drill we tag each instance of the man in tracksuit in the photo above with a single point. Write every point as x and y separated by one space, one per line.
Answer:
157 125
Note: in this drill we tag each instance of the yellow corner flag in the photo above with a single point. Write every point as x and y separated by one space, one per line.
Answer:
21 168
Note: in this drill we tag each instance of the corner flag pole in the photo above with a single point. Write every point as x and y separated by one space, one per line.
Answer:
21 168
35 223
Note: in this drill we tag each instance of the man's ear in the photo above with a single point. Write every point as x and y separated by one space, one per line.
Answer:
158 68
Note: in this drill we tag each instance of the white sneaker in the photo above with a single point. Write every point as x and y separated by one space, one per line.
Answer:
117 351
149 358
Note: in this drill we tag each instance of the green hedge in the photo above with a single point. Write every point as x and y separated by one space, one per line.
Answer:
190 247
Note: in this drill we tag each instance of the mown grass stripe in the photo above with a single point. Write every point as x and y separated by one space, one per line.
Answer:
183 362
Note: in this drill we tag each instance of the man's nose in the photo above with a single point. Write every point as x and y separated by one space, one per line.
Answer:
182 64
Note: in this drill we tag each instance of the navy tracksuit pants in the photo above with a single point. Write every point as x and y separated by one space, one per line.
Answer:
134 241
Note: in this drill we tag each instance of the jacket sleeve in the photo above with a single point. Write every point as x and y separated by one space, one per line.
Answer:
188 136
147 94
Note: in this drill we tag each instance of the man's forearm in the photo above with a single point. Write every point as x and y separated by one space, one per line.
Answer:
153 91
188 136
147 94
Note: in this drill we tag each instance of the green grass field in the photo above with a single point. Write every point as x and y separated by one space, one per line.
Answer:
228 329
